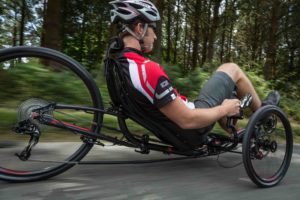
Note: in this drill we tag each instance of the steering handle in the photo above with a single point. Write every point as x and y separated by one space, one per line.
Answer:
245 103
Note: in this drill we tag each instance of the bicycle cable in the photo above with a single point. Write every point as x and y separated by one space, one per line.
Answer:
120 162
77 118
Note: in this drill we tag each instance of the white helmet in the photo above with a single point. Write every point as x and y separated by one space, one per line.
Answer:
128 10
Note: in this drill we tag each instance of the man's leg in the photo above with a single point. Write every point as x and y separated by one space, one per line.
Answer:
222 85
244 86
242 82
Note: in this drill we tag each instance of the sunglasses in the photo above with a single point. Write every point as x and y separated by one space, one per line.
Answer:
153 26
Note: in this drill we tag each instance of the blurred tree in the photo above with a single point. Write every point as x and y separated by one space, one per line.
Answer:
271 50
52 27
157 51
86 30
213 31
24 12
196 32
20 22
169 22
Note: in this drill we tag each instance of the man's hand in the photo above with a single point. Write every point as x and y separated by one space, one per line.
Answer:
231 107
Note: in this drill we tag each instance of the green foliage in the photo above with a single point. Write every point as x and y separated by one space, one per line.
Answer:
290 87
261 86
86 31
5 84
291 107
188 84
27 80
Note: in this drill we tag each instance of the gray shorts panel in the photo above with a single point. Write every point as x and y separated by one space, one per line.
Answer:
218 88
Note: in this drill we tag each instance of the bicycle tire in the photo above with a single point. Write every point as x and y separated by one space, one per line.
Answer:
31 59
267 153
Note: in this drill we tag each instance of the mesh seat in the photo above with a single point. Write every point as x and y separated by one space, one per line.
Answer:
123 100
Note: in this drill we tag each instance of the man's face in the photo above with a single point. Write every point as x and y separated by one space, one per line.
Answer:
149 39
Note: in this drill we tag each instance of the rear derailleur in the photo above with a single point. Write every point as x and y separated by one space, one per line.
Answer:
26 127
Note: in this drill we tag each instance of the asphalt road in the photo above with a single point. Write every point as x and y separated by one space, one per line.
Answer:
191 179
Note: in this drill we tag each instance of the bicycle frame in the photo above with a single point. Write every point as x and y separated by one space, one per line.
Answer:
144 144
90 137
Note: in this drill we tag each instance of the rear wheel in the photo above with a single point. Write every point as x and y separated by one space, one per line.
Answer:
267 146
32 78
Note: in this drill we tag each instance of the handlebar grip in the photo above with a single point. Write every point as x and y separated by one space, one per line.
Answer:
231 121
246 101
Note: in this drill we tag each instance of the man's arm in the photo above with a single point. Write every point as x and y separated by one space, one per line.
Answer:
187 118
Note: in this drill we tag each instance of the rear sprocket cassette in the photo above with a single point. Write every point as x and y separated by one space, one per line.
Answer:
26 108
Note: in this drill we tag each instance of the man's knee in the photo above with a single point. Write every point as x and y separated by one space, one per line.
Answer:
232 69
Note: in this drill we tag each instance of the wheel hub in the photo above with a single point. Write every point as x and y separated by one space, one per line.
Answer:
273 146
270 124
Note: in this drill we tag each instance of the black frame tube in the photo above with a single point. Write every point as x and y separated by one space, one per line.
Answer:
132 141
102 136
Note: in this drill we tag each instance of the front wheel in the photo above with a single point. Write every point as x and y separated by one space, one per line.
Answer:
32 78
267 146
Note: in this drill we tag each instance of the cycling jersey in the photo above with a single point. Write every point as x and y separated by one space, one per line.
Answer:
150 79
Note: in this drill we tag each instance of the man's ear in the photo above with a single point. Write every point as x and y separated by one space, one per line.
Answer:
139 28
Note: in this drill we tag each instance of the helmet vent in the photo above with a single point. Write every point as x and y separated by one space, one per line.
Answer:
151 13
123 11
136 6
147 4
154 10
119 4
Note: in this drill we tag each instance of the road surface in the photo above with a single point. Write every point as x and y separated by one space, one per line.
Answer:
190 179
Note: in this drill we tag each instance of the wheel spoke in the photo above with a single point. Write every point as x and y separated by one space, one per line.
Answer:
267 147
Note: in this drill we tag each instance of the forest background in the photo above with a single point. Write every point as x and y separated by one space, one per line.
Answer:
194 38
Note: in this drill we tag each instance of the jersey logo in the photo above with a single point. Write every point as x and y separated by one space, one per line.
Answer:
173 96
164 84
164 93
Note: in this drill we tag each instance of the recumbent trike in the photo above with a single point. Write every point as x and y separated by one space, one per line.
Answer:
52 113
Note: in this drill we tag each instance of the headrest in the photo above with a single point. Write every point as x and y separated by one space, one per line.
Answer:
116 45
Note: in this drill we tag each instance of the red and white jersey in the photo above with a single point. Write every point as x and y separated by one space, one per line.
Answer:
149 79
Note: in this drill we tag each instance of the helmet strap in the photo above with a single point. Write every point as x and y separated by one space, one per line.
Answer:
139 38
